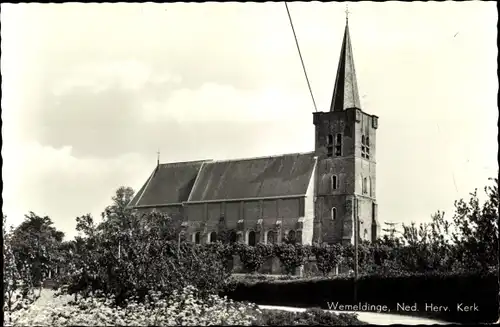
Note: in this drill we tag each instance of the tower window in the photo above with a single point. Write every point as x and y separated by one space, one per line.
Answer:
365 147
338 145
329 146
365 185
334 214
335 184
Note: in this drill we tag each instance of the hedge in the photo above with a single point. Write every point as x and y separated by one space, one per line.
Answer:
436 289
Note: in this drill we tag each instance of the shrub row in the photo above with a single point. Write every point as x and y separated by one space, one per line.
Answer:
438 289
373 258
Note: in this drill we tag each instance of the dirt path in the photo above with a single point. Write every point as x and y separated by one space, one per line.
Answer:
38 311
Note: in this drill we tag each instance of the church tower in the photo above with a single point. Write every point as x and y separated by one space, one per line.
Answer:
346 147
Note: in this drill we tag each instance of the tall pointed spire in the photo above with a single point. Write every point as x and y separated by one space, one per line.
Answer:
345 92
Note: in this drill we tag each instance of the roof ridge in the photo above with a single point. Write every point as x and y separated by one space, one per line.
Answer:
261 157
146 185
185 162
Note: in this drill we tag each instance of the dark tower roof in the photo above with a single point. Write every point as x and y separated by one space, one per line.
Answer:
345 92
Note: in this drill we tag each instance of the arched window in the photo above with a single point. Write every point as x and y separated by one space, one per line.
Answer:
291 236
213 237
271 237
251 238
367 141
335 184
197 238
365 185
338 140
233 237
363 140
334 213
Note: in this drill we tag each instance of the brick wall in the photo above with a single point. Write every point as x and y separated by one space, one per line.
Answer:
209 214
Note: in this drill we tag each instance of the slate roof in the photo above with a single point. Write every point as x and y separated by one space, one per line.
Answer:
282 175
345 93
170 183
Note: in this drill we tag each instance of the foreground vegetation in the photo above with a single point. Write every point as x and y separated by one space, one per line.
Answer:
184 308
134 269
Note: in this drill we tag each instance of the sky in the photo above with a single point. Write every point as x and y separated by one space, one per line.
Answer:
91 92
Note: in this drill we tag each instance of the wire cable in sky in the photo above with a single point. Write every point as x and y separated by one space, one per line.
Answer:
301 60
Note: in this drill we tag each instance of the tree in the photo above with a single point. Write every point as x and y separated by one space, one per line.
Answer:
117 218
118 210
35 244
468 242
10 272
476 227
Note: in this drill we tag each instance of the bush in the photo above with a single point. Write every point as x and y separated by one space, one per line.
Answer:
145 257
292 256
310 317
253 257
327 257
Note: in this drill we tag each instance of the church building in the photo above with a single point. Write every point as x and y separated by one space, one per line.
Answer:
308 197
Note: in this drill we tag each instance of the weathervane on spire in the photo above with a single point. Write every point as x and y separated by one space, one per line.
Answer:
347 13
158 157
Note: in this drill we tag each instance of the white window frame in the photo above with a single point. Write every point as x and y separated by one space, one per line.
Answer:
247 237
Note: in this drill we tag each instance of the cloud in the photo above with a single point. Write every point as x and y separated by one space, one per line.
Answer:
106 109
51 181
96 77
214 102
